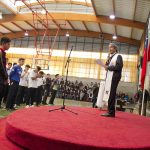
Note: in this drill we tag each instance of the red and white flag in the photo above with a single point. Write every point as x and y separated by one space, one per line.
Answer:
146 58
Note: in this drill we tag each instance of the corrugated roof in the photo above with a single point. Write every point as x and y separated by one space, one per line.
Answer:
103 7
142 11
92 26
124 31
108 28
78 25
125 8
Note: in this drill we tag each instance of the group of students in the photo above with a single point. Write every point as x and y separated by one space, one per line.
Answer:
26 86
22 84
18 85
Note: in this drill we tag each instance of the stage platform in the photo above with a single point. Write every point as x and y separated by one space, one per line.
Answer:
38 129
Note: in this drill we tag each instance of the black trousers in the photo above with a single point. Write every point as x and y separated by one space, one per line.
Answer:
20 94
112 97
94 100
1 89
54 92
46 94
31 95
6 90
12 94
39 92
1 93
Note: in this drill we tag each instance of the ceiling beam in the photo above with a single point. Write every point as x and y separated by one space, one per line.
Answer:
71 25
42 23
18 26
100 28
38 15
60 2
94 7
77 17
135 6
7 28
95 12
30 25
85 26
47 13
79 33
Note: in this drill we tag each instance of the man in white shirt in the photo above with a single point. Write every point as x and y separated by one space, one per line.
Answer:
39 90
23 84
32 85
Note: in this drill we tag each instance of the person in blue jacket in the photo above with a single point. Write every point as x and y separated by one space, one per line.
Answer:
14 83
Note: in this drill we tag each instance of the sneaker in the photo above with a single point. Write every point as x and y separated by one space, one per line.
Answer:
108 115
27 106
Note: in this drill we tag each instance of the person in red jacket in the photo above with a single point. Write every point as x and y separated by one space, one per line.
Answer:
4 45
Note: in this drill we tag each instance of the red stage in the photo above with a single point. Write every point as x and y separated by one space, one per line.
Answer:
38 129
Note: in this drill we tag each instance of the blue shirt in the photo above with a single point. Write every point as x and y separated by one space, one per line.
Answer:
15 73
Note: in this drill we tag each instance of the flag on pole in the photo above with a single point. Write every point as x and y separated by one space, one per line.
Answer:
146 57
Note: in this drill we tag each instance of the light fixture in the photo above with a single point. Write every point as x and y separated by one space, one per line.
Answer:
112 16
26 33
67 34
114 37
1 17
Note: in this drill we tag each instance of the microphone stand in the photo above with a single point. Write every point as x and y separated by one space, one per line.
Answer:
63 107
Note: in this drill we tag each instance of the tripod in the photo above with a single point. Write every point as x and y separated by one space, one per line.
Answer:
63 107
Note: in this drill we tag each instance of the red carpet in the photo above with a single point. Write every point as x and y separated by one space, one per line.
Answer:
5 144
38 129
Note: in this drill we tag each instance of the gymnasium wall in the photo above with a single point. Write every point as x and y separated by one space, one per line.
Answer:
82 66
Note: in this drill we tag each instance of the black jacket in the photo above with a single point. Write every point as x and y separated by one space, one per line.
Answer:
117 69
3 72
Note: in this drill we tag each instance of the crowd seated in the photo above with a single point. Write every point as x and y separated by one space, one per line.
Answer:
77 90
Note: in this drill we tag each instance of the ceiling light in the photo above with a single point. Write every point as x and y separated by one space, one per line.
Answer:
114 37
1 17
26 33
112 16
67 34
